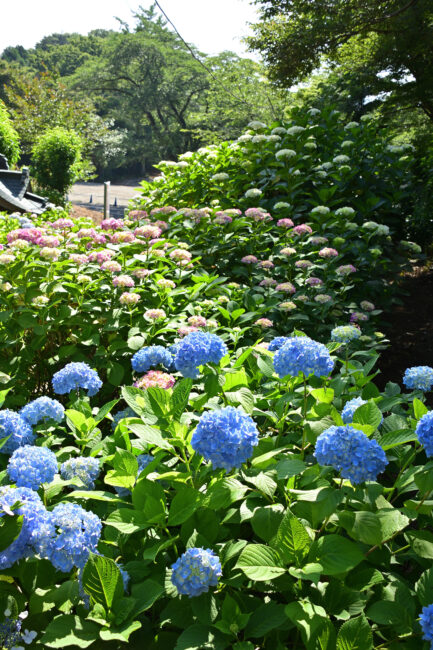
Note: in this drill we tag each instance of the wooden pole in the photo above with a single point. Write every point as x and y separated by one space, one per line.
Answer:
107 200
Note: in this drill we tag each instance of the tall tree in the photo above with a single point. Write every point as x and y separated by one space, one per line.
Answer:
393 37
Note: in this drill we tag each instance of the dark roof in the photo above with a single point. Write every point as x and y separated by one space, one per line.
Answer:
14 195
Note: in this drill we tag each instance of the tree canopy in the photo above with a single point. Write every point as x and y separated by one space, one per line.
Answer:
387 41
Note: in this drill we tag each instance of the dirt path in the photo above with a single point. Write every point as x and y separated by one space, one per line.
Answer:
81 192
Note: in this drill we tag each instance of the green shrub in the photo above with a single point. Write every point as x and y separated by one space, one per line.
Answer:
312 158
9 141
57 162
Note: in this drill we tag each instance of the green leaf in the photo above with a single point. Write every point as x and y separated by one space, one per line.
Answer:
115 373
125 470
105 410
355 634
421 542
395 438
184 504
224 492
243 396
336 554
234 380
368 414
265 618
146 594
127 521
10 528
148 497
120 633
424 587
148 435
419 408
260 562
180 396
69 630
292 540
325 395
199 637
265 521
102 580
288 467
364 526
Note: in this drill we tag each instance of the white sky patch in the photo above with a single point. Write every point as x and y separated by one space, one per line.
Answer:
211 26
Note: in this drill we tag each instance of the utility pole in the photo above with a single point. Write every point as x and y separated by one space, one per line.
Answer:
107 200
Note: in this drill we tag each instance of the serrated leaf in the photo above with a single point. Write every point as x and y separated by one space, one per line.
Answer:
368 414
355 634
336 554
69 630
102 580
260 562
292 540
184 504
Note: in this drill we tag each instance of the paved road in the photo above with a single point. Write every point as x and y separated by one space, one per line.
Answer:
81 192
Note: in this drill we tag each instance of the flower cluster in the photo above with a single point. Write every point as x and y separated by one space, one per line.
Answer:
120 415
85 468
17 428
424 431
75 533
351 453
43 409
418 378
426 622
31 466
345 333
149 357
302 354
277 343
35 527
155 378
76 375
350 407
225 437
195 571
195 350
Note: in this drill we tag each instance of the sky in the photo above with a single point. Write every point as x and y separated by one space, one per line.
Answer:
211 26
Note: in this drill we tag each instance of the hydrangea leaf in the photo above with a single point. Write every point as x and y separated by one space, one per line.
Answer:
260 563
336 554
355 634
102 580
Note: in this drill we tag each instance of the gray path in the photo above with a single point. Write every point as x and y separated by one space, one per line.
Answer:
81 192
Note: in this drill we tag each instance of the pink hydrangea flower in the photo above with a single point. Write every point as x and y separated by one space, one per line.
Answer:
86 233
112 224
155 378
267 282
137 215
111 266
197 321
328 252
50 253
78 258
222 218
122 237
180 255
249 259
122 280
346 269
257 214
149 232
162 225
165 283
62 224
366 305
358 317
302 229
141 273
303 264
285 223
264 323
128 298
29 234
287 251
155 314
185 330
266 264
101 256
323 298
314 282
318 241
167 209
48 241
287 287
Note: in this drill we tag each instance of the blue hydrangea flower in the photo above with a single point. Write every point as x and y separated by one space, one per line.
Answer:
173 351
76 375
85 468
43 408
150 357
76 533
125 413
426 622
225 437
350 407
418 377
143 461
424 431
302 354
31 466
19 430
195 571
36 527
345 333
277 343
195 350
10 634
351 453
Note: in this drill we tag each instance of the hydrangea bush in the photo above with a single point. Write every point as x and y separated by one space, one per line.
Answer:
247 506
